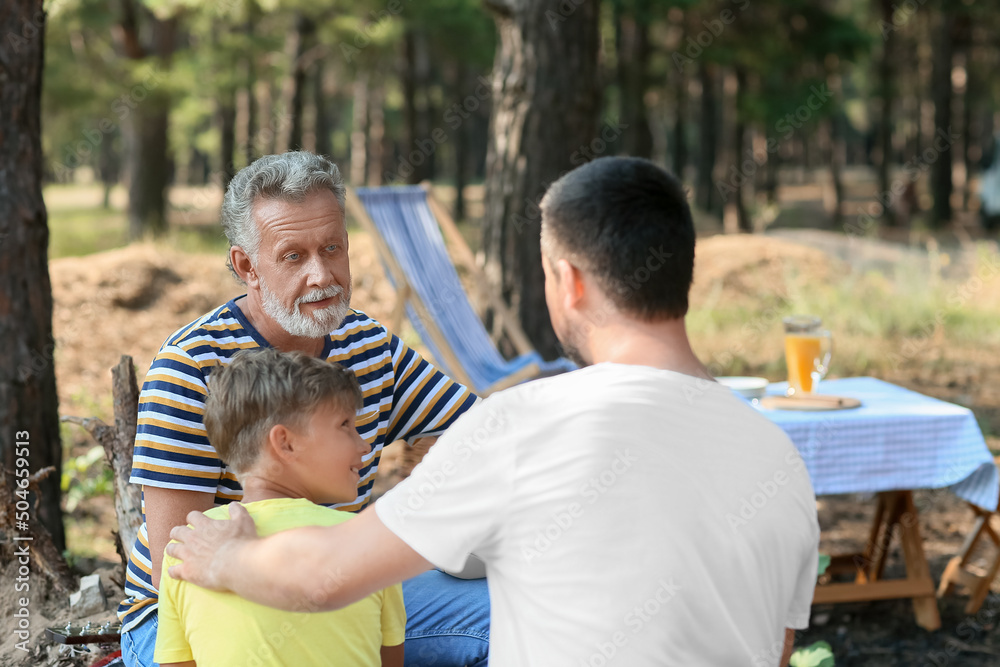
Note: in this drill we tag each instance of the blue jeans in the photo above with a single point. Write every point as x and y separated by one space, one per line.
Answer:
447 625
447 621
139 642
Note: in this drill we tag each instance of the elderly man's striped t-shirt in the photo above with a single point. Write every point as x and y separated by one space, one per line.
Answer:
404 397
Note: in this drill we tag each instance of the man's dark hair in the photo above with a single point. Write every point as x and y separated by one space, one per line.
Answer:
625 221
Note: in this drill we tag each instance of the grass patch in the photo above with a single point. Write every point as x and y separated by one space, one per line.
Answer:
199 239
79 224
77 231
879 321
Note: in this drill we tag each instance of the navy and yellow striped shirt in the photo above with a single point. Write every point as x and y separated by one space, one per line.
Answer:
404 398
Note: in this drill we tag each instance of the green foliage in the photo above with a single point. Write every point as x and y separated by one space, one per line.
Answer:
824 562
86 476
456 30
818 655
72 559
82 79
783 50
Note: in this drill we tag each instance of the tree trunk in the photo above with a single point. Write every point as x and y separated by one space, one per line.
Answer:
807 140
915 104
408 79
376 135
633 50
886 122
544 118
838 152
148 168
462 82
963 44
225 110
246 117
707 196
227 136
479 142
680 148
45 557
941 177
322 128
959 119
250 148
359 130
145 127
738 152
461 170
270 122
970 132
417 144
772 166
298 41
838 145
199 168
925 80
109 168
680 152
29 408
430 111
250 129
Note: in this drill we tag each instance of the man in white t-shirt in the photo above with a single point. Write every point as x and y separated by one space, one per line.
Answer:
609 504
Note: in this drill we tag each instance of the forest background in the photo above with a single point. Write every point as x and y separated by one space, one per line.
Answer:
854 139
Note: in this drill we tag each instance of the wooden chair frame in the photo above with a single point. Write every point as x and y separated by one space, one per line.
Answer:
460 252
957 573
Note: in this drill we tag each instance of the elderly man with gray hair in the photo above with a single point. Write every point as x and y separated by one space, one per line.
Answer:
284 218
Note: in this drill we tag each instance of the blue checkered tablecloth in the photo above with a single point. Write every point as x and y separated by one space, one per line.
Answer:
897 439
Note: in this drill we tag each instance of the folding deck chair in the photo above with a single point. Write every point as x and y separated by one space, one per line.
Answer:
958 573
403 221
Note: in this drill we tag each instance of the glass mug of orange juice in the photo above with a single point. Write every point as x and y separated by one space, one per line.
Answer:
808 348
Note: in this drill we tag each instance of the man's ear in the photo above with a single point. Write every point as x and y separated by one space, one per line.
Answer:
243 266
570 284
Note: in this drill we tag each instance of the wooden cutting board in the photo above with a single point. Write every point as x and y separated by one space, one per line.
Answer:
812 402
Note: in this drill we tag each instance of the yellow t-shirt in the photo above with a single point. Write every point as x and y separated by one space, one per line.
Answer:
219 629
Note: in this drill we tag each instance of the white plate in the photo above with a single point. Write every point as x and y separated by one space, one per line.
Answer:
745 385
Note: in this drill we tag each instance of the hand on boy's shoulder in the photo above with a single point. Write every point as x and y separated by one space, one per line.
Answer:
198 545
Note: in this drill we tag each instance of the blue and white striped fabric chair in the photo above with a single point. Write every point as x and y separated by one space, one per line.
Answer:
413 252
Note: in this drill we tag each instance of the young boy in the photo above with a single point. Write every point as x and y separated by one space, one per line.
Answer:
284 422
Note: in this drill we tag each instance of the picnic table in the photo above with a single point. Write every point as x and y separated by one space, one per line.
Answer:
896 442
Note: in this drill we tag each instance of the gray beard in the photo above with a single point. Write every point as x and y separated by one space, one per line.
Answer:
296 323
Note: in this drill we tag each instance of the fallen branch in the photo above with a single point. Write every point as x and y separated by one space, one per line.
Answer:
97 429
118 443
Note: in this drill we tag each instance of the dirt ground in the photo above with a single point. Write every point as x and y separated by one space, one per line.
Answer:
49 608
127 301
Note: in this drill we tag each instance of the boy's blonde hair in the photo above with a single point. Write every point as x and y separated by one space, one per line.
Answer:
260 389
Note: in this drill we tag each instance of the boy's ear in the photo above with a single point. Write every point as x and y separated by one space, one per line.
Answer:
281 442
